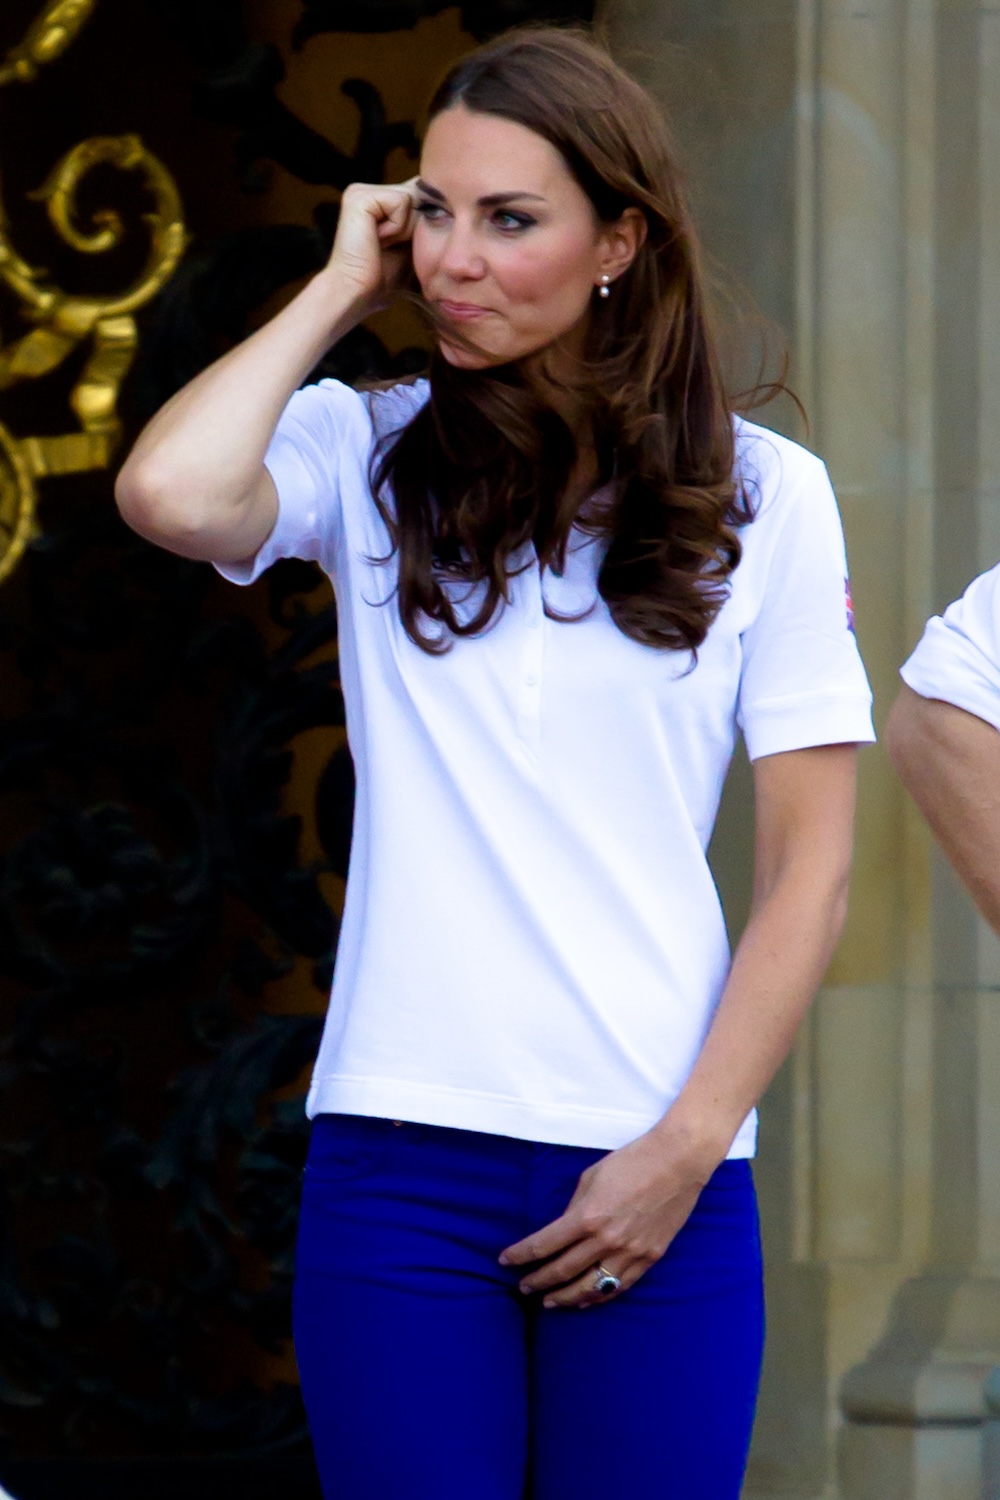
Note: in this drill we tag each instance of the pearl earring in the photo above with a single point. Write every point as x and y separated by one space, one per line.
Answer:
604 289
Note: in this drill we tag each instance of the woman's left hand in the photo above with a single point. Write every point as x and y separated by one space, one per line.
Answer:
626 1210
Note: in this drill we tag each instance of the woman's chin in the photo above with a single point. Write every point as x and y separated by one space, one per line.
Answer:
480 357
468 359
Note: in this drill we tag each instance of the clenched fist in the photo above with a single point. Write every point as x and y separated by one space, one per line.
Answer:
371 248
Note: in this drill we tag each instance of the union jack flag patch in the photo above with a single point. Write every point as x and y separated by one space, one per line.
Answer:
849 605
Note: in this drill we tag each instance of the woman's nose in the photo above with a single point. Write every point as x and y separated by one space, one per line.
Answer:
461 258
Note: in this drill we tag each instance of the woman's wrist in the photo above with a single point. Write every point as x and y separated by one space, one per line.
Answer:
344 303
334 306
698 1138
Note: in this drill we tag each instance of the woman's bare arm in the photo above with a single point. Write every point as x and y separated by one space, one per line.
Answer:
195 481
804 837
631 1204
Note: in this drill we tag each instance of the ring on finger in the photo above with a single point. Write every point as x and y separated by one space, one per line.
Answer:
606 1283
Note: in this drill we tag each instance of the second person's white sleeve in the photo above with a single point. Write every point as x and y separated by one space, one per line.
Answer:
958 656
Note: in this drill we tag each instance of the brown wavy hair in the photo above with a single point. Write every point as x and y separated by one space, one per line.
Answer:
485 465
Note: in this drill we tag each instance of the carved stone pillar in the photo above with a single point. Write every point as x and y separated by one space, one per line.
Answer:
915 1406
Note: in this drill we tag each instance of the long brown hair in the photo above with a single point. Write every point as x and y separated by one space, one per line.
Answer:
485 466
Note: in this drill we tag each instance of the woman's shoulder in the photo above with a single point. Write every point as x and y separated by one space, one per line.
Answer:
772 458
390 407
775 472
330 409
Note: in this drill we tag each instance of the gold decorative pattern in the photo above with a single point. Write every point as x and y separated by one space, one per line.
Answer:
62 322
56 28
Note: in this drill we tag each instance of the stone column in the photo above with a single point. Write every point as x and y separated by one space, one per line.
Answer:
863 338
915 1406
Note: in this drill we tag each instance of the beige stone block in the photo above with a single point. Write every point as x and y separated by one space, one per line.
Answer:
857 1032
991 1439
916 1409
871 950
880 1462
860 1300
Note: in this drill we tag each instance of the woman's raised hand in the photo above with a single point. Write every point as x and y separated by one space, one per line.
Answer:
195 481
371 247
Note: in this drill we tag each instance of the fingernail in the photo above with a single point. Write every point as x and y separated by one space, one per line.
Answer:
550 1302
502 1259
525 1289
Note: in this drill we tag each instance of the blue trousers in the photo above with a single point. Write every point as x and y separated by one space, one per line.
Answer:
427 1375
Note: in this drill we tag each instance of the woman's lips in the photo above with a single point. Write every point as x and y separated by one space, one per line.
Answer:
462 312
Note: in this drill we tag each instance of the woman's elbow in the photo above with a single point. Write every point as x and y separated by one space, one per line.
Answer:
140 495
156 507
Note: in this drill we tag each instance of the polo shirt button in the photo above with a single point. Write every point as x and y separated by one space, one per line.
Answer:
532 679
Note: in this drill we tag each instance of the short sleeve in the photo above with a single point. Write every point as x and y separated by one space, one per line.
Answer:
803 682
323 434
958 656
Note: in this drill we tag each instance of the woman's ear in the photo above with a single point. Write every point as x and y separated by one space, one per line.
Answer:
620 243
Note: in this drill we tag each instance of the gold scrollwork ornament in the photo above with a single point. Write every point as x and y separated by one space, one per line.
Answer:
48 37
17 501
62 322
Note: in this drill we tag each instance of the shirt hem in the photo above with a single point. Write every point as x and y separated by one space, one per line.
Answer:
492 1114
799 724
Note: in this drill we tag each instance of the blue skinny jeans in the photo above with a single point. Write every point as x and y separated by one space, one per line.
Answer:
427 1375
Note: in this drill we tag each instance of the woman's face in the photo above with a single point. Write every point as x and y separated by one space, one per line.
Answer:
507 246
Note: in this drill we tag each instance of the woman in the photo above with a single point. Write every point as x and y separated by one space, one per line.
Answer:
564 579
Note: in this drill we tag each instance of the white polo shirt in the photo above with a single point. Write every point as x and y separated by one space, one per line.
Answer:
532 943
958 656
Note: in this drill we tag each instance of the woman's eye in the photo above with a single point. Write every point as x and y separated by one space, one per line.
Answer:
506 219
428 210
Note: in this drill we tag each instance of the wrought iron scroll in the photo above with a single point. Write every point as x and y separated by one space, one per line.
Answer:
63 322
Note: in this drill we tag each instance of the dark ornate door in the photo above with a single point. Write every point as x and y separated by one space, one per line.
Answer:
175 788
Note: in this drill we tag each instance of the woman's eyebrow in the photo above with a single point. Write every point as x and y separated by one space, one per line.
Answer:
494 200
490 200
